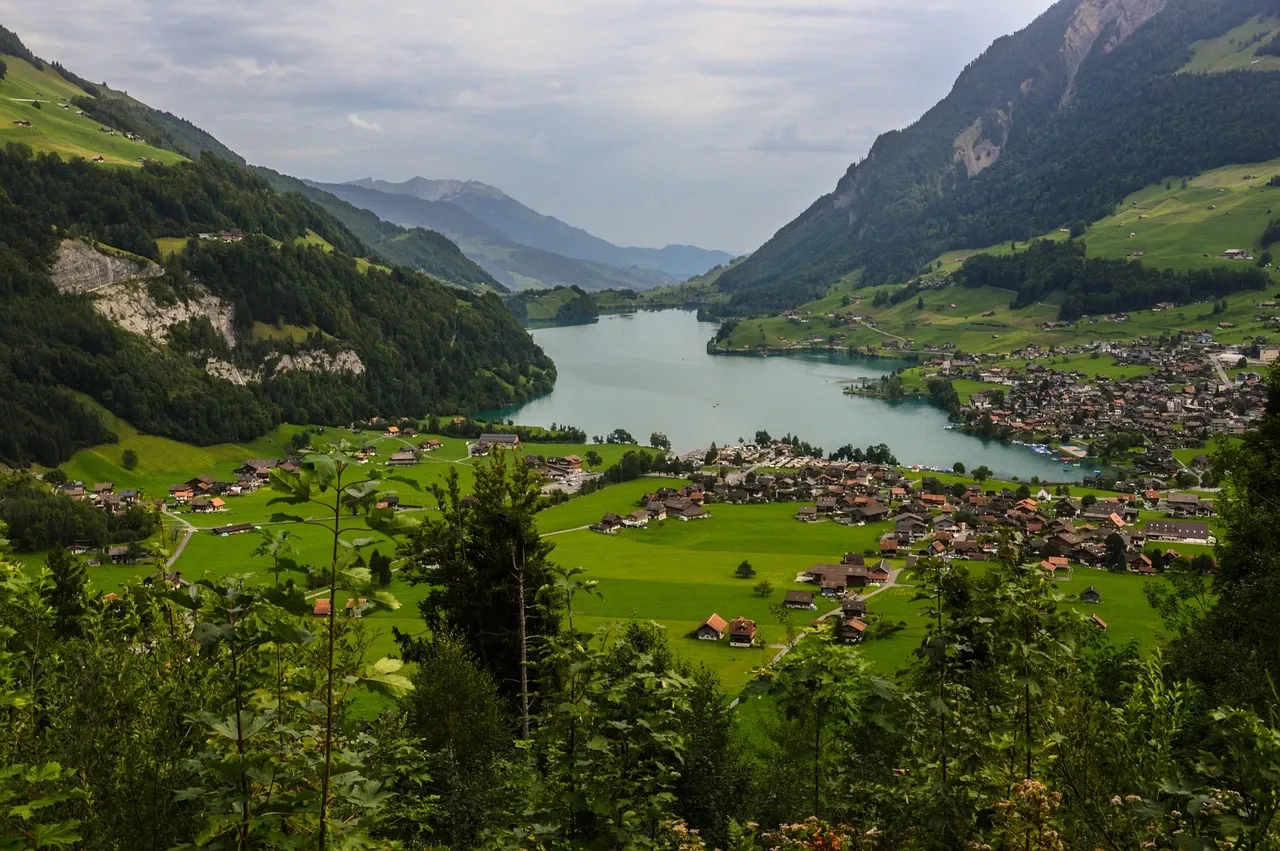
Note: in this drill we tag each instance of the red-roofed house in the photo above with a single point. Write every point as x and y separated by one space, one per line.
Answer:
712 629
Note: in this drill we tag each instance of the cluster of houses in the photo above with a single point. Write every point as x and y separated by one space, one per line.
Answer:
485 444
1180 402
684 504
104 495
741 631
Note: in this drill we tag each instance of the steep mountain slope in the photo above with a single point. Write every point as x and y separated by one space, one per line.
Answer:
1051 126
517 266
270 316
90 120
529 227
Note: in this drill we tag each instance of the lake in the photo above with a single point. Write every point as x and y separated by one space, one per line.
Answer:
650 371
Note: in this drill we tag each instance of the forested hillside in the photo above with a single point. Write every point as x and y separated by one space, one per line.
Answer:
1044 130
419 345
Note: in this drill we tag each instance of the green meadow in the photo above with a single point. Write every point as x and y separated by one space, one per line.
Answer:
57 130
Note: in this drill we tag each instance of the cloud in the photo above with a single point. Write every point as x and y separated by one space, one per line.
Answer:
646 121
358 122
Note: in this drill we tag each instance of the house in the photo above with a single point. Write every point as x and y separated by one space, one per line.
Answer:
354 608
488 441
1188 505
808 514
712 629
879 573
693 512
234 529
1091 595
258 467
1180 531
103 488
851 631
405 458
573 462
120 554
322 607
888 546
636 519
390 501
203 483
742 632
430 445
392 431
853 608
1098 622
181 493
799 600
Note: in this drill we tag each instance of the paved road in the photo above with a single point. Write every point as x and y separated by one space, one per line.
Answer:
1222 373
188 531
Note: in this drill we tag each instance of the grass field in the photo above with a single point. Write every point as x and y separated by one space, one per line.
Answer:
59 130
1236 50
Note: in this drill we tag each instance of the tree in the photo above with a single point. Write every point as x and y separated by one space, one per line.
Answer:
821 687
56 476
920 303
981 474
1117 553
484 562
713 454
380 567
658 440
1088 500
745 570
129 459
65 591
958 468
593 458
763 438
620 436
763 588
457 719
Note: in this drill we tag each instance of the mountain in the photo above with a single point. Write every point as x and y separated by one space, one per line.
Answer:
195 300
529 227
517 266
1049 128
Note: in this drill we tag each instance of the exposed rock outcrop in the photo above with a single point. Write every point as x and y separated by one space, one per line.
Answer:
344 361
80 268
132 307
977 150
1119 18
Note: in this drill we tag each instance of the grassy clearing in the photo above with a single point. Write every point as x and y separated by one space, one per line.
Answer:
1236 50
57 130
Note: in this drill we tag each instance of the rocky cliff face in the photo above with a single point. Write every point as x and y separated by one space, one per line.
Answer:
1118 18
80 268
131 306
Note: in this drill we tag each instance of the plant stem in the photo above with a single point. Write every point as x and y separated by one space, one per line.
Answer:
328 686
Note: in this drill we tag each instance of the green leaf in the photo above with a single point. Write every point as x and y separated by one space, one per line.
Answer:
326 471
58 835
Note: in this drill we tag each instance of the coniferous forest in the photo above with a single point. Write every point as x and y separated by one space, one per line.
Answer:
228 715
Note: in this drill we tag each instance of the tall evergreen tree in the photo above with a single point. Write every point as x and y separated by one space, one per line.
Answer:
65 592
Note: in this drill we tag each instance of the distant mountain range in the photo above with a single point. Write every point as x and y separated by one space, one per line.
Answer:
496 220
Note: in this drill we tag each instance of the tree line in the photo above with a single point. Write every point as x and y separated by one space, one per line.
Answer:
1092 285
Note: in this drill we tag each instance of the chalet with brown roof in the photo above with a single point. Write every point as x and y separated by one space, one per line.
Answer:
888 546
742 632
851 631
355 607
712 629
799 600
1098 622
322 607
404 458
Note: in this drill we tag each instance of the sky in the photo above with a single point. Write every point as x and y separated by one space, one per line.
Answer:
647 122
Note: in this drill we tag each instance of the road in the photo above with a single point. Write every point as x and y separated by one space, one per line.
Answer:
188 531
1222 373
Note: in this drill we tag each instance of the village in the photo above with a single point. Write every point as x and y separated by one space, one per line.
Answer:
1135 533
1145 397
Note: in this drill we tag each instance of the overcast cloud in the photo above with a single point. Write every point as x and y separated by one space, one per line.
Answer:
648 122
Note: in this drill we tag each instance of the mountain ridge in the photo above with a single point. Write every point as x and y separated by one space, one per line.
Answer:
536 230
1051 125
516 265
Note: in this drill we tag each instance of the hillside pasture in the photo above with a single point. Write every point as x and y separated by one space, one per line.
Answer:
55 129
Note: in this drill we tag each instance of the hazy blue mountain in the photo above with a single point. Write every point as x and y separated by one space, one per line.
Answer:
516 265
529 227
